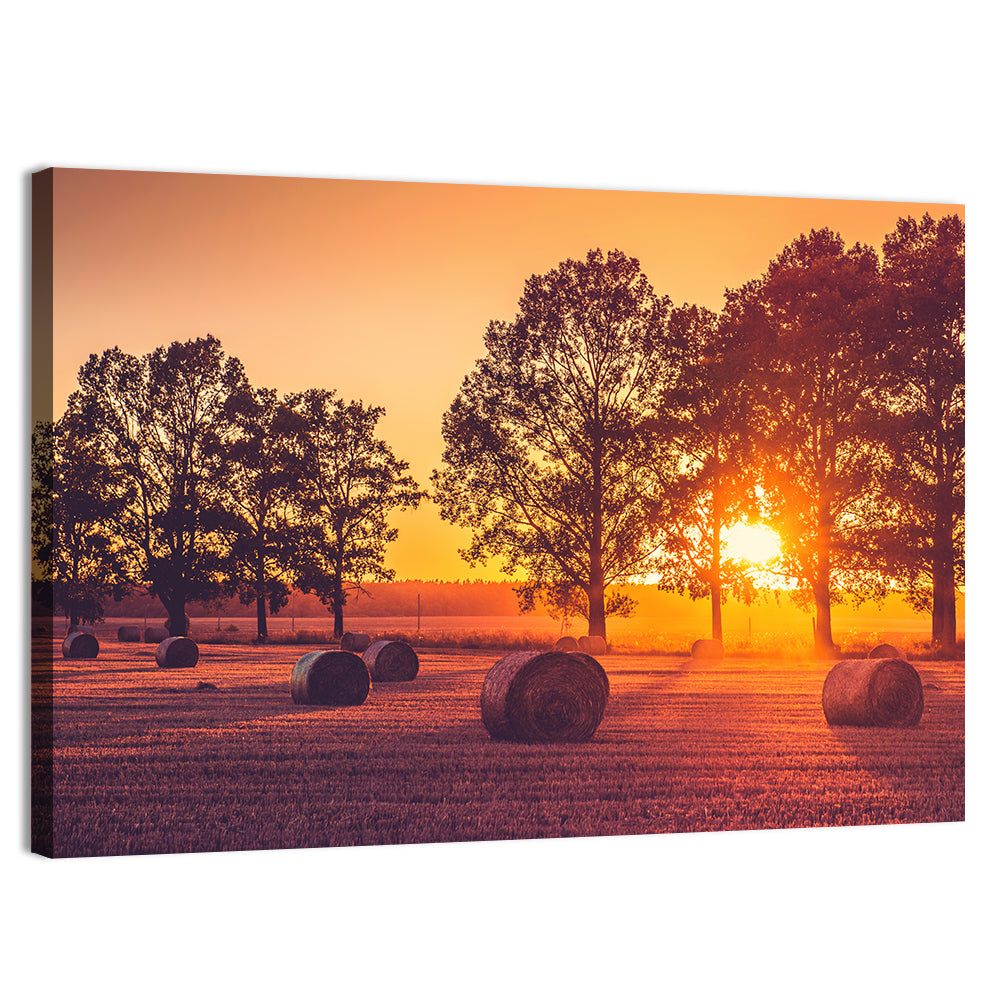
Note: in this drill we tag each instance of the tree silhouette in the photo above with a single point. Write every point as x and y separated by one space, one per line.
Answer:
702 463
925 277
543 458
812 328
78 497
162 421
354 483
266 467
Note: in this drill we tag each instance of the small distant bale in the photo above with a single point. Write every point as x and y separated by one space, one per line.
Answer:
550 697
155 633
330 677
595 645
80 646
391 660
884 692
177 651
886 652
355 642
129 633
707 649
566 644
206 686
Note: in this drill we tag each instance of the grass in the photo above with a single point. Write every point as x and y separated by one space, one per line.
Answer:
144 762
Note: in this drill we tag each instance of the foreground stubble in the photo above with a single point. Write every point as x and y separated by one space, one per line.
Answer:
144 763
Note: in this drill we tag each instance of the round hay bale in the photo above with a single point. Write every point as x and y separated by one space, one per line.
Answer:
707 649
551 697
883 692
330 677
355 642
886 652
391 660
155 633
129 633
177 651
80 646
566 644
593 644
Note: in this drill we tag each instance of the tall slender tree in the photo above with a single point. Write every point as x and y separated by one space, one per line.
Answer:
702 461
925 425
543 458
812 328
354 484
78 497
161 419
266 462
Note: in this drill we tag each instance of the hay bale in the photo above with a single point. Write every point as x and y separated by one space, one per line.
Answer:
355 642
177 651
567 644
129 633
707 649
330 677
391 660
886 652
883 692
155 633
593 644
551 697
80 646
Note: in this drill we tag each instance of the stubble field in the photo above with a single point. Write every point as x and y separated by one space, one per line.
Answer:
145 761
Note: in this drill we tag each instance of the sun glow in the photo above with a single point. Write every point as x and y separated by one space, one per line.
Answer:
752 542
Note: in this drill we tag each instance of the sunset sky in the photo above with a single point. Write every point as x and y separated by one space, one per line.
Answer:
380 290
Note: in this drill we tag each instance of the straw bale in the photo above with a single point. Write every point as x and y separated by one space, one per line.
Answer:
391 660
355 642
177 651
155 633
548 697
593 644
884 692
330 677
129 633
567 644
707 649
886 652
80 646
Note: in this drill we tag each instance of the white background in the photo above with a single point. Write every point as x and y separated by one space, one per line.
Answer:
864 100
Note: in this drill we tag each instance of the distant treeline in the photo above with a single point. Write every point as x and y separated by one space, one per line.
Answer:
397 599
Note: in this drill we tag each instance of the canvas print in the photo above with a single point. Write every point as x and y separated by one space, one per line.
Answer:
374 513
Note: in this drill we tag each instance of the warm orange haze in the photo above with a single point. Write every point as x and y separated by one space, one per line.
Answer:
384 513
381 291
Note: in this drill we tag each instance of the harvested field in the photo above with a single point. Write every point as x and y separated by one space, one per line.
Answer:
145 762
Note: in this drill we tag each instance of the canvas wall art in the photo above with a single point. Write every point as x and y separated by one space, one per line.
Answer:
379 513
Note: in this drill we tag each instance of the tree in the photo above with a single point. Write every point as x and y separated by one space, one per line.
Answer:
162 420
700 433
813 330
543 459
77 498
354 483
925 277
265 452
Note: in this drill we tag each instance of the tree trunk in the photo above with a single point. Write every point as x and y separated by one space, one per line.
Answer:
596 620
716 581
261 618
944 627
175 610
338 605
821 587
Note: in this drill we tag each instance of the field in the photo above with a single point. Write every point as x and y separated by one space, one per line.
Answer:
144 760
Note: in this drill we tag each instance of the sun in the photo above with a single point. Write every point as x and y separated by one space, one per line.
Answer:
752 542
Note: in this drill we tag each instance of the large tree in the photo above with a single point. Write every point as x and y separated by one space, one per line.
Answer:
354 482
162 419
702 461
78 497
543 459
925 277
813 331
265 451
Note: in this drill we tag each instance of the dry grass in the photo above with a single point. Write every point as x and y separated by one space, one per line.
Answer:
142 762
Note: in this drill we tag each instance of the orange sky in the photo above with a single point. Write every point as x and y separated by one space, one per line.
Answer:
381 290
